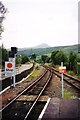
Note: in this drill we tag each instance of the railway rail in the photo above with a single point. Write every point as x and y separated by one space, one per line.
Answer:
68 78
32 84
22 110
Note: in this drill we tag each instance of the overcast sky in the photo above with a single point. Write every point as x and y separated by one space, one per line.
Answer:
32 22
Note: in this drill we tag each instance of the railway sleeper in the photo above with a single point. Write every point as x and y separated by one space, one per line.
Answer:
31 98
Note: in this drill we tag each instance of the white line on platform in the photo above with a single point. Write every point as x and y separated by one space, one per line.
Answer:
4 90
25 78
43 111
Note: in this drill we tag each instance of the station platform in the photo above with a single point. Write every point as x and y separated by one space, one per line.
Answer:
61 109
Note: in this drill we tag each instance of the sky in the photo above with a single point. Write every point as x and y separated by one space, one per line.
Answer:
32 22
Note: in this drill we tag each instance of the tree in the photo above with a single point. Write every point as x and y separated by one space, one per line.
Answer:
3 10
4 55
24 59
38 60
72 60
3 51
33 56
58 56
78 57
45 58
53 58
18 60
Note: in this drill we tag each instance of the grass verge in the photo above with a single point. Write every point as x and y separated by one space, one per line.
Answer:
36 72
68 95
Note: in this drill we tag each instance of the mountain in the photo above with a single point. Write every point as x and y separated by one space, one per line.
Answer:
41 51
44 45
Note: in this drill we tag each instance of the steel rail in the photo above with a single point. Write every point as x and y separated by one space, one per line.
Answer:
69 76
23 91
69 82
66 80
48 79
78 88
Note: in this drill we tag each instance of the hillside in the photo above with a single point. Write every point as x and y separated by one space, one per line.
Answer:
41 51
44 45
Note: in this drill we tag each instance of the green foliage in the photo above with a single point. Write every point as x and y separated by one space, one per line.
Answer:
71 72
36 67
58 56
38 60
18 60
78 57
36 72
4 55
3 11
68 95
33 57
72 60
41 51
48 59
24 59
48 64
45 58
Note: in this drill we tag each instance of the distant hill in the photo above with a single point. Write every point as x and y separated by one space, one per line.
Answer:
44 45
41 51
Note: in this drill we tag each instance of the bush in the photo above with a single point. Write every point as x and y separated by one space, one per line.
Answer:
24 59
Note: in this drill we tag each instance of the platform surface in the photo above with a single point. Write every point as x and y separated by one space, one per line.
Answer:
62 109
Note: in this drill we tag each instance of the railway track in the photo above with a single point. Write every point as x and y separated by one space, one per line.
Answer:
15 110
68 78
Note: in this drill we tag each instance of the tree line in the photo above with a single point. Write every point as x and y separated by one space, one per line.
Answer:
56 57
20 59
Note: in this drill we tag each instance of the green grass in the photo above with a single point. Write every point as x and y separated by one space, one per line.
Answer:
74 74
47 64
68 94
49 54
36 72
71 72
77 76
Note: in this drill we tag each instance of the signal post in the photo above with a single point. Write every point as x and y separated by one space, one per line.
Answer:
62 70
10 65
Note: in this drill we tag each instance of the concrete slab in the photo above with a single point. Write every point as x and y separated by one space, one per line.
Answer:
68 108
62 109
